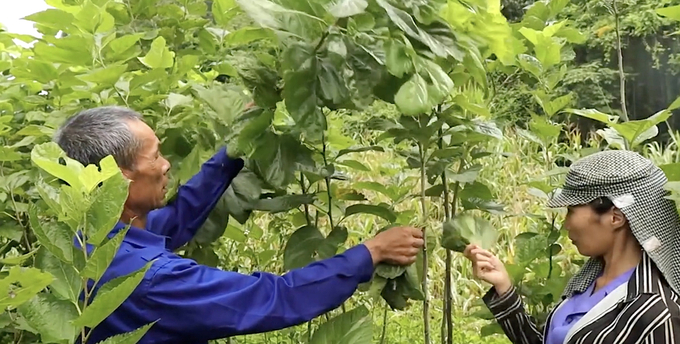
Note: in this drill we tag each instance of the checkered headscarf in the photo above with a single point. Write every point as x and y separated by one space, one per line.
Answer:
635 186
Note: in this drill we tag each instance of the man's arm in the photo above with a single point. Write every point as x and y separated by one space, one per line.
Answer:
200 303
181 218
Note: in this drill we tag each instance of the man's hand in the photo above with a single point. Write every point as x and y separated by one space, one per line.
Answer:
398 245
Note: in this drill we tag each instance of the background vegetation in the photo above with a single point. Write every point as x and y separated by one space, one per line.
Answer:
456 116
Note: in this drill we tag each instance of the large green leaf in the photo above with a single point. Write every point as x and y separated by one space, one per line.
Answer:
223 11
301 96
376 210
106 208
272 15
465 229
109 297
102 257
55 236
672 12
283 203
301 246
47 155
51 317
131 337
352 327
242 195
67 283
413 98
335 239
159 55
346 8
21 285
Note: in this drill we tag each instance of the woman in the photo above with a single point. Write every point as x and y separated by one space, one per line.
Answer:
627 292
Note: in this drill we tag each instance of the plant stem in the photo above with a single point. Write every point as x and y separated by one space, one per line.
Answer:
328 183
384 327
426 301
447 322
622 77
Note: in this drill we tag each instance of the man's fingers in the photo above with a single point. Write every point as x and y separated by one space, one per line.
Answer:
418 243
418 233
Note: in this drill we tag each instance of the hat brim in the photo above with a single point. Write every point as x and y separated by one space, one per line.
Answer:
569 198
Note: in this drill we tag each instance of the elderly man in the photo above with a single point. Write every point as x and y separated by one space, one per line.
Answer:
190 302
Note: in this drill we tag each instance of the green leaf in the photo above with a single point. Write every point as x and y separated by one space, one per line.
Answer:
671 12
175 99
223 11
672 171
393 293
47 155
412 97
235 233
8 154
241 195
329 247
465 229
131 337
632 130
12 231
106 208
301 246
159 56
40 313
272 15
397 60
247 35
67 283
346 8
389 271
411 281
531 65
17 260
283 203
54 236
107 76
21 285
352 327
102 257
359 149
109 297
354 164
594 114
371 209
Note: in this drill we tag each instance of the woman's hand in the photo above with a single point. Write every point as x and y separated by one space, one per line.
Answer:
488 268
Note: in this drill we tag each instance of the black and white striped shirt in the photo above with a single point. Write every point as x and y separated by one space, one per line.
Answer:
645 310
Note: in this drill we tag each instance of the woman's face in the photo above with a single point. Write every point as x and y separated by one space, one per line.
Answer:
593 234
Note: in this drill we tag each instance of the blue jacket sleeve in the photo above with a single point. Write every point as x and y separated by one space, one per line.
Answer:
180 219
200 303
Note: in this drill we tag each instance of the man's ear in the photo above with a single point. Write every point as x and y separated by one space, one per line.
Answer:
618 219
127 173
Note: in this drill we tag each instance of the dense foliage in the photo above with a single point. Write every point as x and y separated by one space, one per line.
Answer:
366 114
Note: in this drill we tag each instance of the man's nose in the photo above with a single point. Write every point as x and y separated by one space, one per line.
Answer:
166 166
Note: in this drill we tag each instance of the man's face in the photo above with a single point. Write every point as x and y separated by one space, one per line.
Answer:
148 178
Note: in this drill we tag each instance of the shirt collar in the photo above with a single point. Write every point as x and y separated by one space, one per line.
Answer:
139 237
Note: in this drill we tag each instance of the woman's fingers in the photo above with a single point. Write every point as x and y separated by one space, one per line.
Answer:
481 251
485 267
468 250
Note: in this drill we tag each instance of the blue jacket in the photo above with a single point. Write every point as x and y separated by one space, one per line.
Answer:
194 303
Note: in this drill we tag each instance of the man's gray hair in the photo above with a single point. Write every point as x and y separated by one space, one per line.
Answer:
92 134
